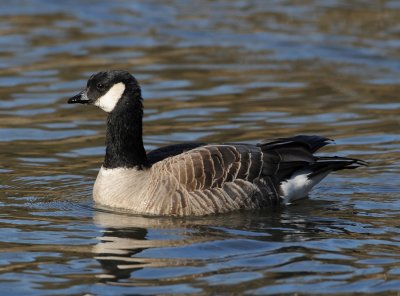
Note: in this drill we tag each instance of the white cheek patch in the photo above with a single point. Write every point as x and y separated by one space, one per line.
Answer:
108 101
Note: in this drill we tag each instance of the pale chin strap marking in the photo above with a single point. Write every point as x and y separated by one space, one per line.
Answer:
108 101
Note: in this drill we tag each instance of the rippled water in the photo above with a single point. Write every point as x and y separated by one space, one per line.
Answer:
210 71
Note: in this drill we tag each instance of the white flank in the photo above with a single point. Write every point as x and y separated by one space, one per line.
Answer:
108 101
299 185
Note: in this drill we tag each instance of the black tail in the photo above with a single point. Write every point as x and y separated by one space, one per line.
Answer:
288 155
334 163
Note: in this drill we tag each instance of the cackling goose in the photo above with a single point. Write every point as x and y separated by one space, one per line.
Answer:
195 179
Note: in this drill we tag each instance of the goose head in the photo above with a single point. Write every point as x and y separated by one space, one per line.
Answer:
107 90
118 93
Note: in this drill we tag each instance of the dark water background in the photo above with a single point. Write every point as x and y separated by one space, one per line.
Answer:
210 71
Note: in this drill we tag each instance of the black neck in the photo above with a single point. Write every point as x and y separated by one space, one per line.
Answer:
124 134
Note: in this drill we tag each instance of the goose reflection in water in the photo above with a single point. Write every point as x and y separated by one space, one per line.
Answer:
125 236
124 247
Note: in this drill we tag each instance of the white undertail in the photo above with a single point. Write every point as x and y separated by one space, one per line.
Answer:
299 185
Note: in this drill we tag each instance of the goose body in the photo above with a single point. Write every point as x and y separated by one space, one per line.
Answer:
194 179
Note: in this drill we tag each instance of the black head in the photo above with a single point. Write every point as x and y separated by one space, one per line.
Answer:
105 89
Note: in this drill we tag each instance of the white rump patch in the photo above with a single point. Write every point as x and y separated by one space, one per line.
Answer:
108 101
299 185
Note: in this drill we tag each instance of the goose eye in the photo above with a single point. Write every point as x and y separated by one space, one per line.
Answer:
100 86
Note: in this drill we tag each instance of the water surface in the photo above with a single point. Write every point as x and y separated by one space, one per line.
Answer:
211 71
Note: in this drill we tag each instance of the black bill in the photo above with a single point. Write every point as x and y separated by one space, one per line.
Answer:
80 98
